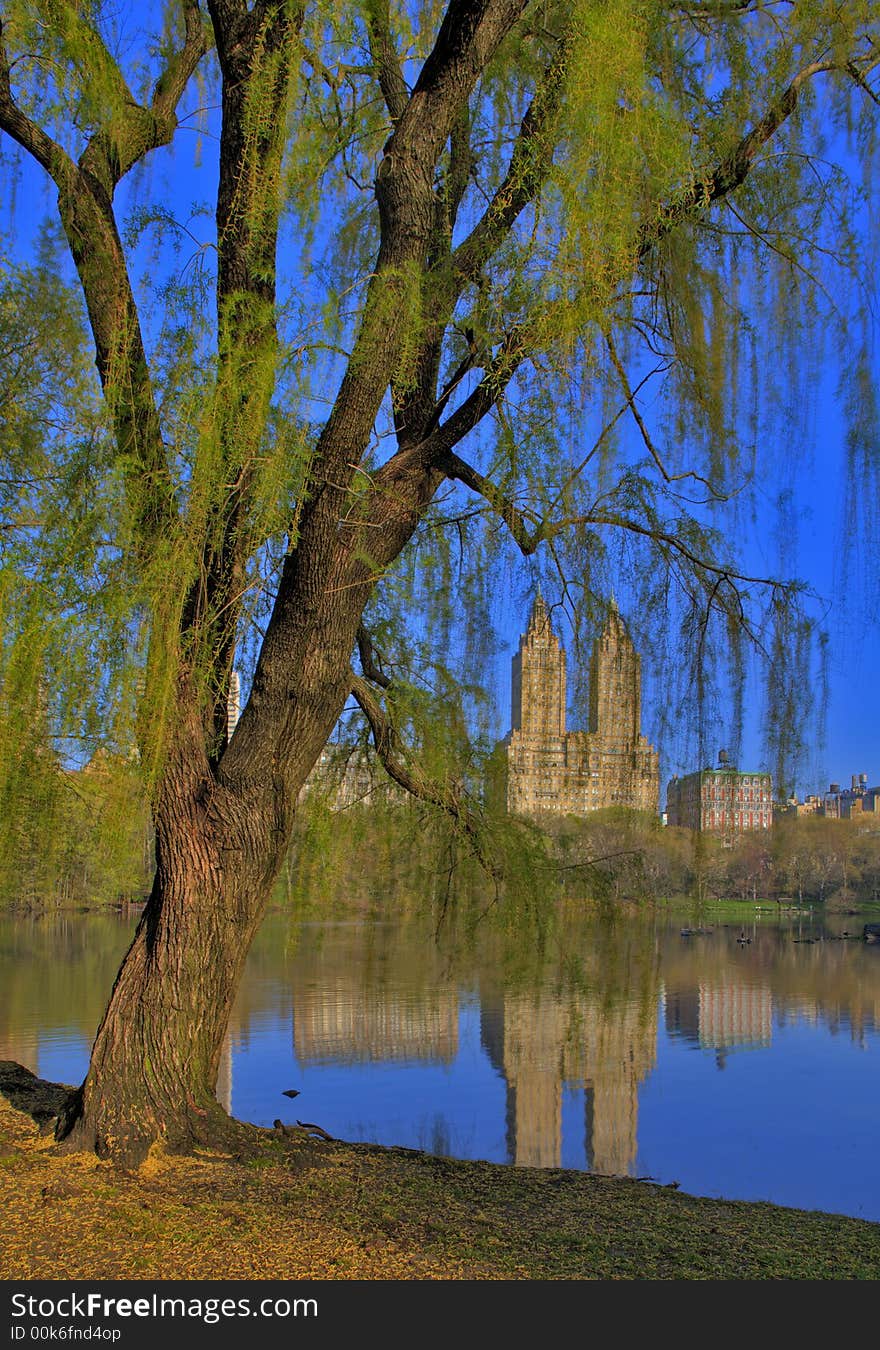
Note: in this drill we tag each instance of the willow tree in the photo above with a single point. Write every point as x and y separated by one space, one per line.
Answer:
433 222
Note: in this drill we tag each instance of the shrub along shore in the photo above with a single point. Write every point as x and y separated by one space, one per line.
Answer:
300 1207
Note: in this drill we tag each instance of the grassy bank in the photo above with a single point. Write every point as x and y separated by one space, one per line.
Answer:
305 1208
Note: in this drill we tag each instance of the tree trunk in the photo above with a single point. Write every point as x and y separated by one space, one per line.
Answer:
221 838
155 1059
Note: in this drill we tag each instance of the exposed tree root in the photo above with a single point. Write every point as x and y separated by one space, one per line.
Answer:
58 1108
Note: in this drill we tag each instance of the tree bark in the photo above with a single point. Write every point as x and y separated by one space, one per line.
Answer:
222 834
155 1059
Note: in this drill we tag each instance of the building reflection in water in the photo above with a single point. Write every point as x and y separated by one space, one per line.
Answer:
721 1017
223 1090
542 1044
339 1022
364 994
22 1047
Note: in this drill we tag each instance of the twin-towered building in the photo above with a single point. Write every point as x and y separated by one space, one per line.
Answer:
550 770
553 770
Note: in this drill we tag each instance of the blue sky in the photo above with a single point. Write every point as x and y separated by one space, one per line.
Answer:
823 543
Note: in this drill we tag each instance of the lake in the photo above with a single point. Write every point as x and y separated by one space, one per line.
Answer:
739 1062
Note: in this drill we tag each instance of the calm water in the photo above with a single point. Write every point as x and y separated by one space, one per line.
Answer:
747 1070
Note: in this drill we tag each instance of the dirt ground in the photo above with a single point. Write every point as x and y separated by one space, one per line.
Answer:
306 1208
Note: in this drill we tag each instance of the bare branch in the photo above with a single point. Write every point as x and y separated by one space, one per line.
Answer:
525 528
668 540
498 374
404 485
859 77
528 530
466 364
688 475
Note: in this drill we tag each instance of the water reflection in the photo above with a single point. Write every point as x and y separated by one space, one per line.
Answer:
721 1017
567 1053
360 996
544 1043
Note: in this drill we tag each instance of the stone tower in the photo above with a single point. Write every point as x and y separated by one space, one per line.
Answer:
550 769
615 684
537 686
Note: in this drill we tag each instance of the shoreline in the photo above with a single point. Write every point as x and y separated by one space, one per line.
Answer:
300 1208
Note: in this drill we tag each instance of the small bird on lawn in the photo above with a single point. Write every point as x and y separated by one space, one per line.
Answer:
291 1092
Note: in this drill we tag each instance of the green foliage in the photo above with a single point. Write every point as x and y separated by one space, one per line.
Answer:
74 837
66 610
624 267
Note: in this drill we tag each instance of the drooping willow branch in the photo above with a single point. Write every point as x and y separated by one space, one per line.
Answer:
528 530
371 662
629 395
732 171
452 798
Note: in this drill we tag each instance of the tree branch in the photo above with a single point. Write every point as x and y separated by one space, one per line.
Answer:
525 528
469 35
26 133
450 798
859 77
385 59
530 162
171 84
403 486
688 475
528 531
515 348
370 661
732 171
85 207
130 131
448 272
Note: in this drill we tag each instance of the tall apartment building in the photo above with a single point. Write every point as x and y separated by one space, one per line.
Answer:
721 801
550 769
233 704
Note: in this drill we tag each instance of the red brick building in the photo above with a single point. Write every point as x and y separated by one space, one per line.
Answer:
721 801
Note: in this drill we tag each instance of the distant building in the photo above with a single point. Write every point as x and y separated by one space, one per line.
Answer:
837 803
550 769
721 801
810 806
233 704
844 803
350 776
